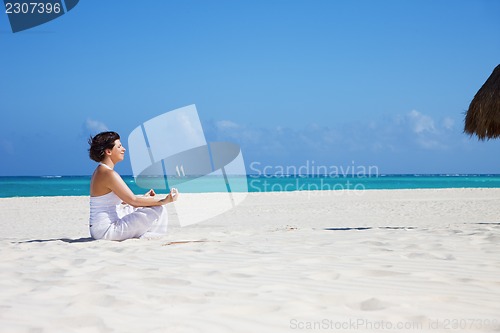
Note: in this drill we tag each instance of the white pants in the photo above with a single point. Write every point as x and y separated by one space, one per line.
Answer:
145 222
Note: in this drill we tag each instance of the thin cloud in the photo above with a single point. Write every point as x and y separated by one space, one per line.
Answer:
430 136
401 133
420 122
448 123
95 126
226 124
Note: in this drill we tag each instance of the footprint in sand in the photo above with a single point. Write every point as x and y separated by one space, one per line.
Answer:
167 281
324 276
375 243
241 275
372 304
79 261
381 273
421 255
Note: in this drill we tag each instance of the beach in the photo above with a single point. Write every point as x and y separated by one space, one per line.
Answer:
374 260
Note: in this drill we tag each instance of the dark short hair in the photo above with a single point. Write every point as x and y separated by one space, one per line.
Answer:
100 142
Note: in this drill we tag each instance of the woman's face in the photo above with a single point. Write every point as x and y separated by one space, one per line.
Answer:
118 152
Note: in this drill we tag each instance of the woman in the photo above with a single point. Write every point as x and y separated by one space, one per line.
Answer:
115 212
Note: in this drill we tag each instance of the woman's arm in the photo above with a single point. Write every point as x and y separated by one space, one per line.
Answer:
120 188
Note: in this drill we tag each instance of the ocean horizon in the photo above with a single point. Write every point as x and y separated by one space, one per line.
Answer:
32 186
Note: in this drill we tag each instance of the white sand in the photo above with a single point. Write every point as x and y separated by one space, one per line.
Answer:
428 260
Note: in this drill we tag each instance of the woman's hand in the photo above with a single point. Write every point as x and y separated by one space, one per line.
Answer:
171 197
150 193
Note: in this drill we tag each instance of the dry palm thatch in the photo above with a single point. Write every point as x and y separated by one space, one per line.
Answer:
483 115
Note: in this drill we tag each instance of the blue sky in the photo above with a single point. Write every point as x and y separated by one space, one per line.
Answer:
382 83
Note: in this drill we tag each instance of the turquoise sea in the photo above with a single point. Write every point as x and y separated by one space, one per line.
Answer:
79 185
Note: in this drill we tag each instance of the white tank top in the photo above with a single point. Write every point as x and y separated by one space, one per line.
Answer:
103 208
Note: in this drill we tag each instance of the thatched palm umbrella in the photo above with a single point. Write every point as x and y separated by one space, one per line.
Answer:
483 116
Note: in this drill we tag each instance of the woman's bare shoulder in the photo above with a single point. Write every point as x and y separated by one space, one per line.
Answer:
101 180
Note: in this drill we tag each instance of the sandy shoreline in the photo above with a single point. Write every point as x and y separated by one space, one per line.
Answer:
425 260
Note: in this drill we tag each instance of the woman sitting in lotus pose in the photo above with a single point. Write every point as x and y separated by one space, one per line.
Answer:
115 212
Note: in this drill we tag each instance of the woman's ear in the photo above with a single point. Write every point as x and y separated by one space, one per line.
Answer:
107 152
